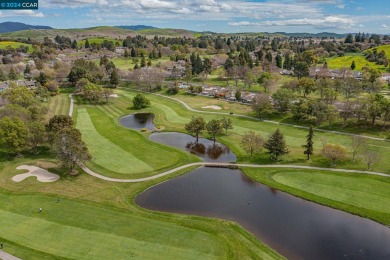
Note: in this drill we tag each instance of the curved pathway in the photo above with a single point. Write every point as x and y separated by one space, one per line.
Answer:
226 165
211 164
6 256
269 121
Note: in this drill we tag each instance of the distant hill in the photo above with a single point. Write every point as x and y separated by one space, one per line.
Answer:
136 27
6 27
314 35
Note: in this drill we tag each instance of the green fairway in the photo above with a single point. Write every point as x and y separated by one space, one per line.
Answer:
96 219
58 105
364 195
175 115
123 153
385 48
103 149
346 61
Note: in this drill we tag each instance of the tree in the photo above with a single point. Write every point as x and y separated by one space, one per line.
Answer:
262 105
283 99
70 148
252 142
107 92
358 144
86 45
13 134
36 133
114 78
301 69
214 128
276 145
195 126
2 76
334 152
353 65
18 95
12 74
307 85
237 95
140 101
226 124
55 124
52 87
371 157
93 92
309 143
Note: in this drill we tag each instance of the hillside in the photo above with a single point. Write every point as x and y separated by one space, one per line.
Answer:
6 27
136 27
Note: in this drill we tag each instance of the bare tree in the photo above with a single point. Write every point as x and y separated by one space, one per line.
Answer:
370 157
357 146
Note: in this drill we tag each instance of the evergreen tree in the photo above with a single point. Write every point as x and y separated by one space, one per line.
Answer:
349 38
86 45
279 61
143 62
2 76
114 78
27 70
276 145
133 52
309 143
74 44
12 74
353 65
126 54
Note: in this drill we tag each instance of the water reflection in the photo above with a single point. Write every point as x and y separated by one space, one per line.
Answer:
138 121
296 228
204 148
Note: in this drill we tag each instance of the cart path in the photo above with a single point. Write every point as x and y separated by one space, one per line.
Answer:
270 121
6 256
211 164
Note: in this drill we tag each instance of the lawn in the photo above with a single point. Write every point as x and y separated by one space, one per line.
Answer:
95 219
98 40
364 195
5 44
176 115
346 61
120 152
58 105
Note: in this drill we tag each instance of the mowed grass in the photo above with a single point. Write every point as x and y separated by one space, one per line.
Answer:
5 44
346 62
364 195
103 149
175 115
99 40
120 152
58 105
96 219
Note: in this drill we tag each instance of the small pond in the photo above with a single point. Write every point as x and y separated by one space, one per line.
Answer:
296 228
138 121
204 148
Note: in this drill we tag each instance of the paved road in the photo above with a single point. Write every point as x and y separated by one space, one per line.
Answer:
6 256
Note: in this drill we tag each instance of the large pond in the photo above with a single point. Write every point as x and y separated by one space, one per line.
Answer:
296 228
138 121
204 148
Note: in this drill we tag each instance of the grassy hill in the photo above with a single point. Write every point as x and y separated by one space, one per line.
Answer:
346 61
14 45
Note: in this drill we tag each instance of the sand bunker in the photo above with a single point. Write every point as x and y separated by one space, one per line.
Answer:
213 107
41 174
114 95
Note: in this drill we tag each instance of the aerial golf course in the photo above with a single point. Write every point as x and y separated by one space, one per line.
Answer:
84 217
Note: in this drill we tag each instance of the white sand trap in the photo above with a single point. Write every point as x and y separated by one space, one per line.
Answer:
41 174
114 95
213 107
